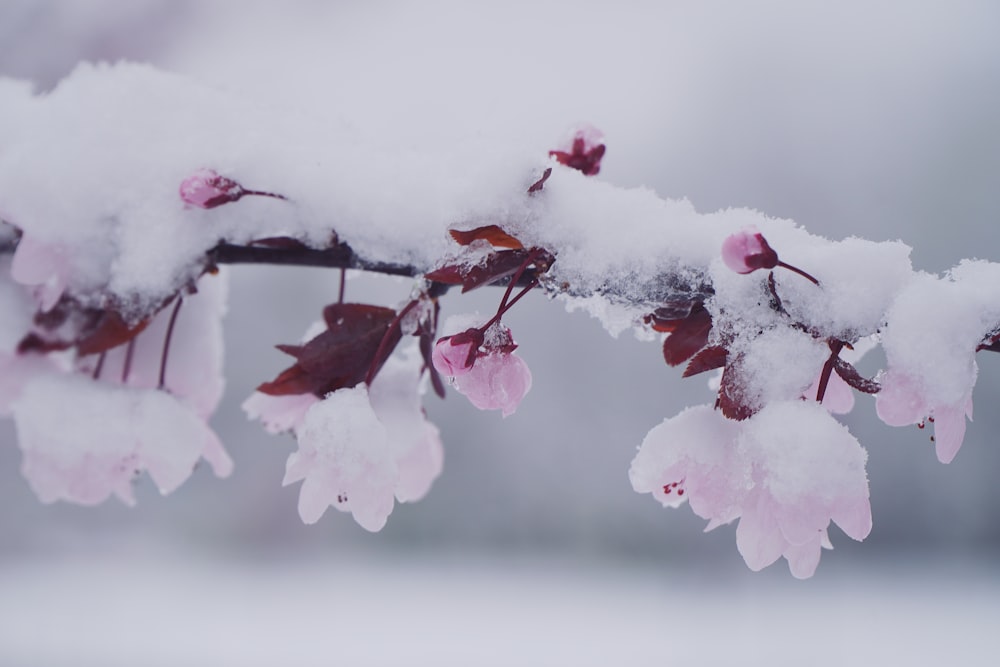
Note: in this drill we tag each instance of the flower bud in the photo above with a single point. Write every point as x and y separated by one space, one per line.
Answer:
747 250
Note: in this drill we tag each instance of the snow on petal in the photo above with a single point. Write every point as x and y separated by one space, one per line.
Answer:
808 470
105 434
345 456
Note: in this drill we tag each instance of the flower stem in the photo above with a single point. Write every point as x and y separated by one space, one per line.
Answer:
381 353
798 271
166 343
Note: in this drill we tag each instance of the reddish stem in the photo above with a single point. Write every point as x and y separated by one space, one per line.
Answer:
127 366
100 365
381 352
798 271
166 343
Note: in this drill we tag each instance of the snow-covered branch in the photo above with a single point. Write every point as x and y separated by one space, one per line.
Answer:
125 190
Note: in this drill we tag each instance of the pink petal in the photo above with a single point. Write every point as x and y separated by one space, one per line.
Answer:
758 538
803 558
901 401
496 382
949 430
420 466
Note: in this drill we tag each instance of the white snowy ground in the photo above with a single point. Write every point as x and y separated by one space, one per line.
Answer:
147 607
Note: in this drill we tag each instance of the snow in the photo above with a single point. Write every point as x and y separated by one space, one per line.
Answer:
111 609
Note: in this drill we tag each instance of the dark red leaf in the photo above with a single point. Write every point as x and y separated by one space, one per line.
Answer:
493 234
708 359
732 394
110 331
449 275
340 356
689 335
850 375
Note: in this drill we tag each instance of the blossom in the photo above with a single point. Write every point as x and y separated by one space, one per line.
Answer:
584 152
785 473
344 461
455 355
747 250
104 436
497 381
693 457
205 188
800 483
360 448
903 401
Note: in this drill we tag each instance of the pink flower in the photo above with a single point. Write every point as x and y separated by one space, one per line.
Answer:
104 436
584 152
903 401
785 473
455 355
207 189
344 461
359 448
808 470
747 250
497 381
693 457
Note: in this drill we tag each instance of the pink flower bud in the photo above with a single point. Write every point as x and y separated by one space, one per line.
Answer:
207 189
455 355
585 151
747 250
498 381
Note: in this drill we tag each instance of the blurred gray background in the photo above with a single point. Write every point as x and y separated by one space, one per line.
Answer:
875 119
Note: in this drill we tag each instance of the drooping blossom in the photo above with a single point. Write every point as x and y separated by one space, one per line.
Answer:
903 401
360 448
104 436
344 461
693 457
497 381
584 151
800 484
747 250
784 488
488 373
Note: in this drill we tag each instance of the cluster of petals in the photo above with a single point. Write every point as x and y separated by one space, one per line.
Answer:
360 448
115 419
747 250
487 372
104 436
903 401
784 488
